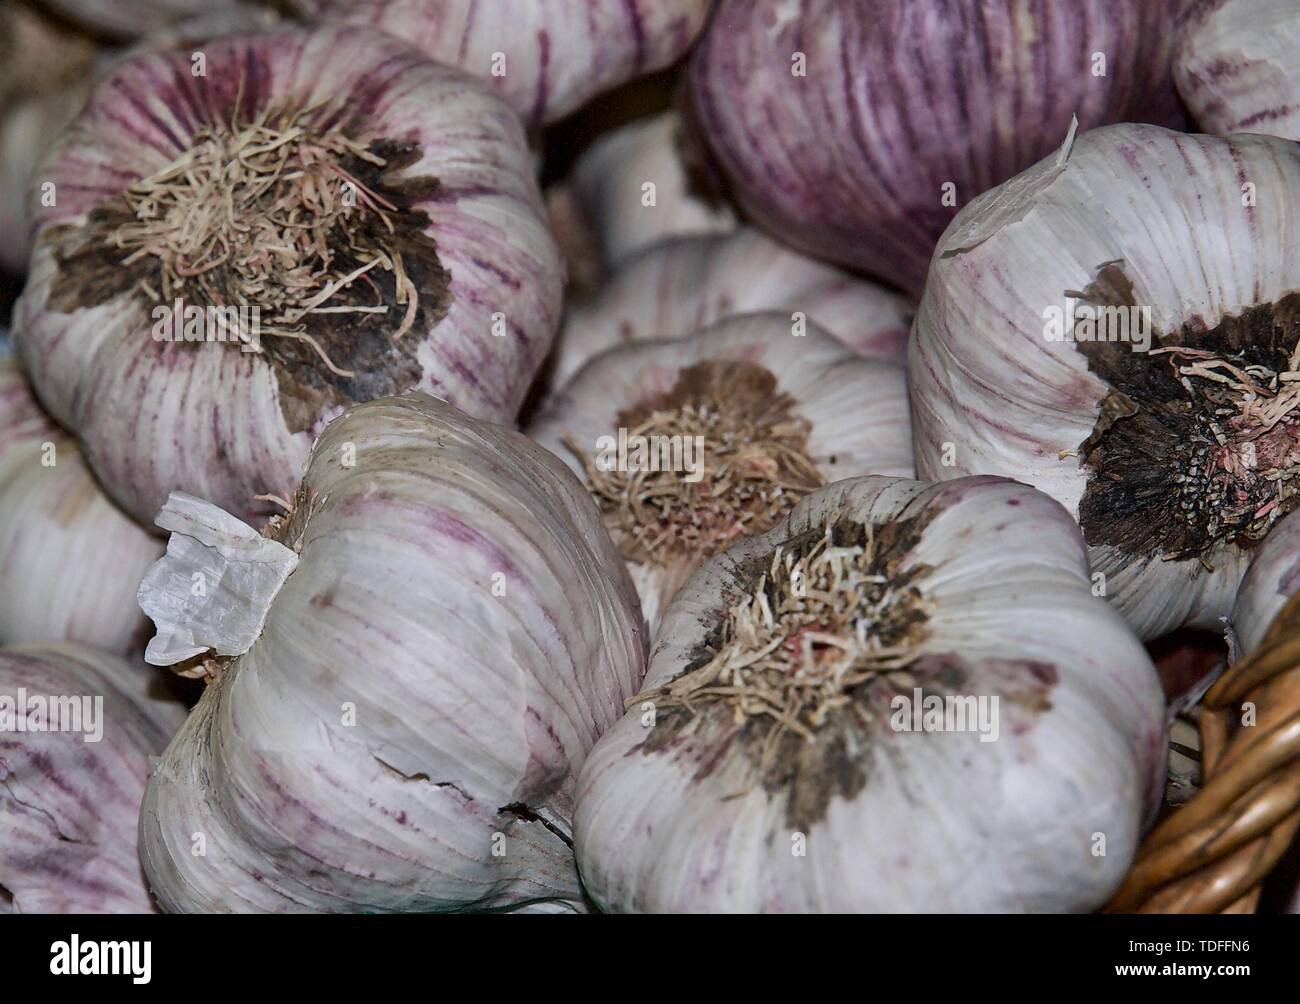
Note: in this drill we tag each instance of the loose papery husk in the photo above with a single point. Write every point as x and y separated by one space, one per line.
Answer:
1238 67
1127 214
69 808
453 590
685 808
543 57
69 558
900 98
684 284
229 425
847 416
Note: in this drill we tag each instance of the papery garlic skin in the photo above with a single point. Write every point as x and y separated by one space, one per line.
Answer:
856 409
684 284
544 57
228 425
853 129
912 821
1273 578
69 807
128 19
403 734
991 393
609 184
1238 68
69 558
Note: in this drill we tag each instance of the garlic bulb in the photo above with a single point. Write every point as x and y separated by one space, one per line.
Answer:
687 444
77 730
544 57
131 18
382 232
634 189
853 129
682 285
904 697
1116 327
408 672
1238 67
1273 578
69 557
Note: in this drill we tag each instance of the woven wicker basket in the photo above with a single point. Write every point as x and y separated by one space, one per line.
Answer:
1213 854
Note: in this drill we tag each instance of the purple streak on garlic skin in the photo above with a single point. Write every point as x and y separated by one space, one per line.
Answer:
1238 67
69 808
555 54
901 97
684 284
220 423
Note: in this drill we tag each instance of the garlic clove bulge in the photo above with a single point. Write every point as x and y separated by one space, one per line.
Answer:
403 734
76 555
543 57
1238 67
689 443
1091 328
854 129
201 350
78 728
684 284
776 761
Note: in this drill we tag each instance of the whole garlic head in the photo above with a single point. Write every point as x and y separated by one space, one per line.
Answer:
783 756
383 232
544 57
683 284
854 129
69 558
1117 327
1238 67
77 730
407 673
688 444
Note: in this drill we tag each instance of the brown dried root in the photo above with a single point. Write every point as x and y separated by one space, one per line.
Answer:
822 622
257 215
755 460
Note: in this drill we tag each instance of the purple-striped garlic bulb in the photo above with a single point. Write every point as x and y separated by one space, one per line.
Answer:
684 284
77 730
903 697
406 674
1117 326
69 558
854 129
1238 67
544 57
687 444
235 256
634 188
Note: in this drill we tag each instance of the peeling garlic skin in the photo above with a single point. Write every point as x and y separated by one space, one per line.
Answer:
1161 220
69 808
227 425
684 284
404 734
846 153
71 557
544 57
867 817
1238 68
855 411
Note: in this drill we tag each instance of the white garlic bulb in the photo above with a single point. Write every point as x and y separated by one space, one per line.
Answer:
776 760
1273 578
69 557
1238 67
77 730
634 189
408 672
689 443
684 284
383 232
1115 327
